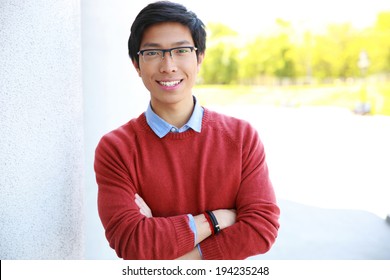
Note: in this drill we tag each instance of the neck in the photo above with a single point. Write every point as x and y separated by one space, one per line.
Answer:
175 114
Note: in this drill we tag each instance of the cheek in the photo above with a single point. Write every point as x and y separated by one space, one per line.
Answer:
146 78
145 74
193 68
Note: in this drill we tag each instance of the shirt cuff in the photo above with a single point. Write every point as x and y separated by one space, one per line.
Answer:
192 225
200 251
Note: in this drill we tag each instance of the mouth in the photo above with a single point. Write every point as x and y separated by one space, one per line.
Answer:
169 83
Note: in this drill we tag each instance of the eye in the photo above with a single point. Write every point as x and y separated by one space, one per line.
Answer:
182 50
151 53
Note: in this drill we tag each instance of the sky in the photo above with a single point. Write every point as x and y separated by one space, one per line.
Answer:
257 16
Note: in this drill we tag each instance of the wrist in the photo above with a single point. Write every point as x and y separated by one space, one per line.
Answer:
213 222
202 228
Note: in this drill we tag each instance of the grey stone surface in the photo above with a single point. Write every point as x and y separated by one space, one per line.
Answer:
41 120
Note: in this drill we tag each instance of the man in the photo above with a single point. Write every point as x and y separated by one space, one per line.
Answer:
181 181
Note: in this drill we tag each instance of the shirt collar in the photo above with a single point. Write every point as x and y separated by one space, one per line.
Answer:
161 128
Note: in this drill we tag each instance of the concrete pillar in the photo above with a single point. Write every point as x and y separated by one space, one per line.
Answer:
41 135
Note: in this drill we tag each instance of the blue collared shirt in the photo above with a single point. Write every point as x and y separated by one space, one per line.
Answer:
162 128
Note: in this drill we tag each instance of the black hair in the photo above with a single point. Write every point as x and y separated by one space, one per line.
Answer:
165 11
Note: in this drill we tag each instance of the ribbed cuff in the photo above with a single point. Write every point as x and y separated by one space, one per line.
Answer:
184 234
210 249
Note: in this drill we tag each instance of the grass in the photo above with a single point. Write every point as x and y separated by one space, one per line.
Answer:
341 95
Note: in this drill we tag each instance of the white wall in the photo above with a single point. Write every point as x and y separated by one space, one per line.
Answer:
113 94
41 135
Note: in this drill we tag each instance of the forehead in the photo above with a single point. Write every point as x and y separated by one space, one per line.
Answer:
167 34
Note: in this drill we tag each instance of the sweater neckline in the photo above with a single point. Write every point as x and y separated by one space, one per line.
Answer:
176 136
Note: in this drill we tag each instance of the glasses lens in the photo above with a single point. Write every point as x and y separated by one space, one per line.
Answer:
180 53
151 55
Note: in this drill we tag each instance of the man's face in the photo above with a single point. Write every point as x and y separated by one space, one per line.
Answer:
170 80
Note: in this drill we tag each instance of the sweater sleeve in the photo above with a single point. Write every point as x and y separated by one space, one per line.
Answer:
257 223
129 233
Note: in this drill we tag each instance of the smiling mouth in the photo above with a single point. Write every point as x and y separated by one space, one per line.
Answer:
169 83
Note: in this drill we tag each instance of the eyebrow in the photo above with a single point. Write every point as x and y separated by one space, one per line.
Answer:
157 45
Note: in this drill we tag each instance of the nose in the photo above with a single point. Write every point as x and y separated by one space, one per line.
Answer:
168 65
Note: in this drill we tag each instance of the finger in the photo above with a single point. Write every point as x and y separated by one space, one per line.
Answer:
140 201
147 212
139 204
144 208
142 211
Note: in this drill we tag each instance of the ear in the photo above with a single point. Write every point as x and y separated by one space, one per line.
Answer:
136 66
200 60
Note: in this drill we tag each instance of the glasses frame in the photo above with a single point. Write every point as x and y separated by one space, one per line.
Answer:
141 52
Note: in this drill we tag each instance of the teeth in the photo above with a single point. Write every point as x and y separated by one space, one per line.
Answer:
169 84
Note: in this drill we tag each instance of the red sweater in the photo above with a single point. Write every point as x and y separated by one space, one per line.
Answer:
223 167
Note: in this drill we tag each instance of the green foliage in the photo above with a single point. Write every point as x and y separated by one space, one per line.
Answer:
219 30
380 43
383 22
336 53
333 54
221 62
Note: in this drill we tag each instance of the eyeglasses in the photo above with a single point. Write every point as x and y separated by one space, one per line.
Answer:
157 55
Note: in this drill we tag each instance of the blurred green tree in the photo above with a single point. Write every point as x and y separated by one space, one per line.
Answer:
221 61
329 55
379 48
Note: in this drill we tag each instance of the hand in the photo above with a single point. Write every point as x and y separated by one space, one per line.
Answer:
143 207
